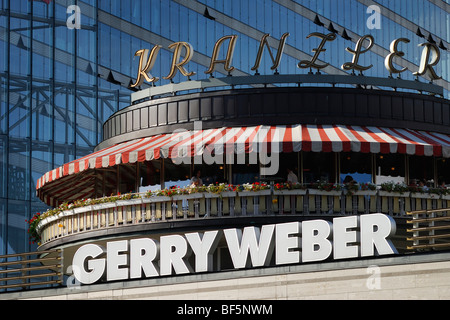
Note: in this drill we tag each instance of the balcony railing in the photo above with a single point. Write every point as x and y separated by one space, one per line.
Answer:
31 270
430 229
158 209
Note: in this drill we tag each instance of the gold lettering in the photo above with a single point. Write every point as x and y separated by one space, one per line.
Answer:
426 67
277 59
388 62
312 64
143 73
356 53
179 66
229 56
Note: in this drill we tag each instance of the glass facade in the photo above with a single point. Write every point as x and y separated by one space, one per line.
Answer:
59 83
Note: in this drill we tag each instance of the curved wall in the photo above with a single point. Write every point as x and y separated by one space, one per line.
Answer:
279 106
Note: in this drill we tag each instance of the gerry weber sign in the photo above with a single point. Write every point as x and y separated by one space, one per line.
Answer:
430 57
288 243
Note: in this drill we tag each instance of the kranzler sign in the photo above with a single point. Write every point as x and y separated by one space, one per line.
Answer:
184 51
251 247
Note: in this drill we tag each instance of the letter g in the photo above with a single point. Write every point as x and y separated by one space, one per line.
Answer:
96 266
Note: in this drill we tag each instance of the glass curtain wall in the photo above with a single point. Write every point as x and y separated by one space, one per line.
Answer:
52 102
58 84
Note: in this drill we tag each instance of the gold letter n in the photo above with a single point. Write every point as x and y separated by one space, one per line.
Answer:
277 59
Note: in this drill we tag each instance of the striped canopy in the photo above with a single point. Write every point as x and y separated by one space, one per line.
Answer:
293 138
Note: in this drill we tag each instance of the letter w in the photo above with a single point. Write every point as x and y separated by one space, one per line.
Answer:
260 243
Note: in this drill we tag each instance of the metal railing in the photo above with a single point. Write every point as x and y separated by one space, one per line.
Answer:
32 269
232 204
430 229
265 80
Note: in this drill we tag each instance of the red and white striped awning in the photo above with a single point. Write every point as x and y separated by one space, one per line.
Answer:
291 138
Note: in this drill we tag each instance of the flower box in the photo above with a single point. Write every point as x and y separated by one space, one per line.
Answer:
294 192
332 193
424 195
382 193
254 193
129 202
446 197
212 195
365 193
41 224
324 193
66 213
229 194
82 209
102 206
420 195
156 199
187 196
51 219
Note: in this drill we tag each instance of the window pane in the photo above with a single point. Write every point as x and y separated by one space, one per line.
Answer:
420 168
390 167
356 165
318 167
443 171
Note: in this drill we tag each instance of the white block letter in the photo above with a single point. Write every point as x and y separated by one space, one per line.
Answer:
174 252
96 266
259 243
114 260
375 230
142 254
342 237
315 245
286 242
203 247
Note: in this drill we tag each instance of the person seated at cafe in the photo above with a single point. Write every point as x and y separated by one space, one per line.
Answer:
196 181
413 183
423 185
349 180
291 177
